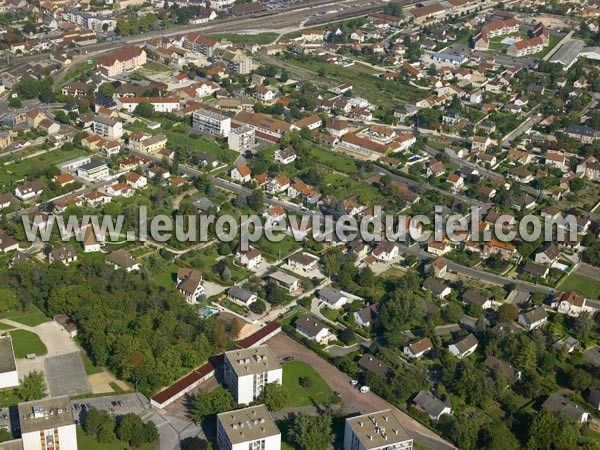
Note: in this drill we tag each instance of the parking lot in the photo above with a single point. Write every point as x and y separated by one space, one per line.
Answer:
116 404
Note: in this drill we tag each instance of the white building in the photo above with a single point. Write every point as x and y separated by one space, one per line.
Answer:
248 371
247 429
107 127
48 424
376 431
241 139
93 172
8 366
534 318
464 347
211 122
160 104
313 329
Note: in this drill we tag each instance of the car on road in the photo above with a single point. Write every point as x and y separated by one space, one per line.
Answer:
353 382
288 358
337 394
364 389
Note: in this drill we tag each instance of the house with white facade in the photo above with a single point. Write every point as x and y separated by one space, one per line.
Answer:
250 428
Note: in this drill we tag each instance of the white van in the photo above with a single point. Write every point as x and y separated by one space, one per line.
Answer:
364 389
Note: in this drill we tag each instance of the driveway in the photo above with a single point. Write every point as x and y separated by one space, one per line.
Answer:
57 342
353 400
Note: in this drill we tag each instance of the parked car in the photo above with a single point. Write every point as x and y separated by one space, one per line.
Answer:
364 389
353 382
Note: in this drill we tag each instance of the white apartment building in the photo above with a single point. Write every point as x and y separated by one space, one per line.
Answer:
8 366
94 171
247 429
241 139
248 371
107 127
48 424
211 122
376 431
160 104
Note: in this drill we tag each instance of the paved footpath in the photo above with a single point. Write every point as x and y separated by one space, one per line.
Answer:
282 345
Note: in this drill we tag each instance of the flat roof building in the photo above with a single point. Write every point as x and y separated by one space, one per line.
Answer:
248 371
248 428
48 424
8 366
376 431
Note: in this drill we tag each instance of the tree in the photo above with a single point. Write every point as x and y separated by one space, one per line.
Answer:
258 306
550 431
497 436
33 386
276 295
256 200
205 404
453 313
5 435
311 432
275 396
306 382
144 110
131 430
15 102
100 425
507 313
347 336
106 90
29 27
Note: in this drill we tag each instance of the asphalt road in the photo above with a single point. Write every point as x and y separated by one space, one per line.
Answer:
353 401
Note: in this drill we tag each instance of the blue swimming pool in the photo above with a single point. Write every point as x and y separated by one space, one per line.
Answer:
414 158
208 312
511 41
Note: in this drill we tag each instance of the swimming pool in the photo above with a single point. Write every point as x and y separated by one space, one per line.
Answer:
511 41
208 312
414 158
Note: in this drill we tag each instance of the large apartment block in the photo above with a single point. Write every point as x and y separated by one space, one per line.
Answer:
248 371
241 139
48 424
247 429
211 122
376 431
128 58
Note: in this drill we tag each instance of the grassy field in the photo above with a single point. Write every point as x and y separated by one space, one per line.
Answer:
89 443
167 278
31 320
334 161
90 368
275 250
319 393
26 342
20 169
260 39
588 287
5 327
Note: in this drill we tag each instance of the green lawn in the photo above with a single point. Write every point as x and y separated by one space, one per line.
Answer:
26 342
5 327
89 443
334 160
167 278
318 393
260 39
36 164
31 320
90 368
588 287
276 250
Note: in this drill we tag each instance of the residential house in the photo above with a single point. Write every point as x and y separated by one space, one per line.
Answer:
65 255
549 255
432 406
371 364
250 258
366 316
333 298
303 261
241 173
385 252
559 404
190 284
472 297
496 365
124 59
535 318
285 281
464 347
440 290
571 303
240 295
285 156
29 190
120 259
418 348
257 430
313 329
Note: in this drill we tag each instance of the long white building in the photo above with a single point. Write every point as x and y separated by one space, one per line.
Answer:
247 429
211 122
248 371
